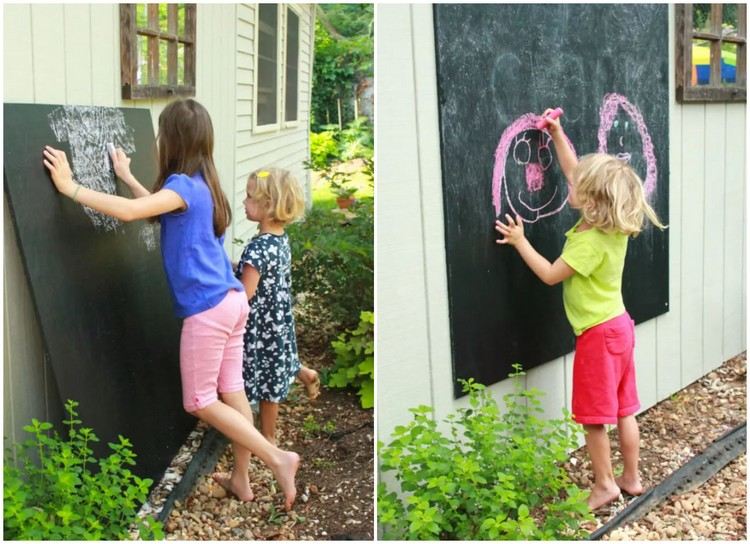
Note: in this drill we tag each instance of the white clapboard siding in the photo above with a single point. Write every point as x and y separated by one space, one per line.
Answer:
70 54
705 324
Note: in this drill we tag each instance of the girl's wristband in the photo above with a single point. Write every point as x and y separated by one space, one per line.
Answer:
75 193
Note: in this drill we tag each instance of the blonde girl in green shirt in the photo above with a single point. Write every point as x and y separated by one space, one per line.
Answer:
609 195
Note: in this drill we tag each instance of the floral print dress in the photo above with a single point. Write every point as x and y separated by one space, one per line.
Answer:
270 361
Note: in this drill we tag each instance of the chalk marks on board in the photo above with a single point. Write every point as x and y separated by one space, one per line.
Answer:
523 157
521 174
623 132
89 130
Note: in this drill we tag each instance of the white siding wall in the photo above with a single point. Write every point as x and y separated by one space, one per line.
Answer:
706 321
281 147
70 54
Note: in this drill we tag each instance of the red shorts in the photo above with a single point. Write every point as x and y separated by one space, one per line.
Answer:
604 373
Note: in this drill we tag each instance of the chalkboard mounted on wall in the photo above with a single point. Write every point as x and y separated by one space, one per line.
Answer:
98 285
498 67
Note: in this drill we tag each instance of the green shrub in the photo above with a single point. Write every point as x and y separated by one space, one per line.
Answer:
355 360
356 140
324 148
332 265
497 476
53 493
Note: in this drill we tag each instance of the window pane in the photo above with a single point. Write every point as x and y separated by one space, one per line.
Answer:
702 17
142 73
729 63
163 64
701 72
141 16
292 58
163 21
267 64
181 64
730 22
181 20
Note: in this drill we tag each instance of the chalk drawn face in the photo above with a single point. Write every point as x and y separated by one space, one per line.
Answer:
623 133
525 181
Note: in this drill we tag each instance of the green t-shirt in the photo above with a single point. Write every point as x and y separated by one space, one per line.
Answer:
593 294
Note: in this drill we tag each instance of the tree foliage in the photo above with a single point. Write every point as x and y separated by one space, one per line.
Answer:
343 57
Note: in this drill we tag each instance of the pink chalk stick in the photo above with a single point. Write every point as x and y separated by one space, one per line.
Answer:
554 114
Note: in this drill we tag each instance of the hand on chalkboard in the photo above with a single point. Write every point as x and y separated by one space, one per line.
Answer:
552 121
512 232
120 163
59 169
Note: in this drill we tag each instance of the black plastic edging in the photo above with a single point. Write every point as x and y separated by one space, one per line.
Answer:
695 472
203 461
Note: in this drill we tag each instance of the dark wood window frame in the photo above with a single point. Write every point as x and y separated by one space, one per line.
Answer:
715 91
129 33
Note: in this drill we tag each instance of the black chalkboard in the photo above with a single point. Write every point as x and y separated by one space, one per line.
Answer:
497 67
98 285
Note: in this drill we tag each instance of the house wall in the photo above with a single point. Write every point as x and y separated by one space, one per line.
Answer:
707 275
70 54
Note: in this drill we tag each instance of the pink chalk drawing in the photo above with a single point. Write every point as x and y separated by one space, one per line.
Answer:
529 198
612 130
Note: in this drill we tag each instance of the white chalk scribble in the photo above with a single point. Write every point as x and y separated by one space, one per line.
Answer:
89 129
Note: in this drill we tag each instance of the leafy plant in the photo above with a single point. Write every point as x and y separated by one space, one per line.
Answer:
332 268
324 148
311 427
495 476
56 493
355 360
340 183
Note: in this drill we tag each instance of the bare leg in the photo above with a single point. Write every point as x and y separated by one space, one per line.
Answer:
605 489
238 482
627 429
310 378
235 426
269 413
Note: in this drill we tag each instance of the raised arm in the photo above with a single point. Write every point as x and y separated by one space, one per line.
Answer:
124 209
549 273
565 155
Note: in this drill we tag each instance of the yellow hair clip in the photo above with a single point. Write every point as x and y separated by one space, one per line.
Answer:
263 174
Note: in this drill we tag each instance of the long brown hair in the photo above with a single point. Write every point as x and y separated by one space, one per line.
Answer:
186 145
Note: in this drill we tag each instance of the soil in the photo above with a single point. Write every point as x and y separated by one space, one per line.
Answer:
672 432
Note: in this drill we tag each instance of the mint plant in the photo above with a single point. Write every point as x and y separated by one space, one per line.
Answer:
494 475
355 364
58 490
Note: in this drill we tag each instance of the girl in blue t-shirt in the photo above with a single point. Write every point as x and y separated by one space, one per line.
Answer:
271 364
193 212
610 197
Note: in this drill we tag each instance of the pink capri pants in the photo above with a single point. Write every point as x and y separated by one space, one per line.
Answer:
211 351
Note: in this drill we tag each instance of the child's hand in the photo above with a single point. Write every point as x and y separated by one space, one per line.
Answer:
121 164
59 169
512 232
554 127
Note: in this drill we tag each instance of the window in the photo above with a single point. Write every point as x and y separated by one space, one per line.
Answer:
277 70
157 50
292 66
710 52
267 54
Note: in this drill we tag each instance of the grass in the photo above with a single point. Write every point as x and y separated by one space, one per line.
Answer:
321 191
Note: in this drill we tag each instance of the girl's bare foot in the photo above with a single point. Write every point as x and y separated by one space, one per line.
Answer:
312 382
240 488
285 472
602 495
631 486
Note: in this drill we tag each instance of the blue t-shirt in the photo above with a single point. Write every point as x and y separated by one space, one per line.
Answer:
198 269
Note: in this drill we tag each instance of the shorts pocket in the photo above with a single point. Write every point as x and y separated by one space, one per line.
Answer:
618 340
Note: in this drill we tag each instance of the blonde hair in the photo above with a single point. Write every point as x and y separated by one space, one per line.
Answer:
610 195
279 192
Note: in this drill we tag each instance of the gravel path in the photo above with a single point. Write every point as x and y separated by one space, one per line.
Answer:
672 432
